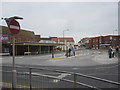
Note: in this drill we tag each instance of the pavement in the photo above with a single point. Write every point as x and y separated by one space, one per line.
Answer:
82 58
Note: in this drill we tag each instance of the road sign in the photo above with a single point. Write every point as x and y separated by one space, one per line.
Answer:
14 26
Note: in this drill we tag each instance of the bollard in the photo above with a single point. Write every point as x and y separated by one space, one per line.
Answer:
75 78
30 77
14 85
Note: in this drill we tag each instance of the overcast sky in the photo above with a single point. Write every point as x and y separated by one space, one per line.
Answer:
83 19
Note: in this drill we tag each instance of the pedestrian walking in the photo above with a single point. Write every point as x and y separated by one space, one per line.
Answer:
113 52
69 52
117 51
53 53
110 52
73 51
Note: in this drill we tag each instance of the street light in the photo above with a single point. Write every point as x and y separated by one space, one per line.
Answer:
63 38
113 42
9 21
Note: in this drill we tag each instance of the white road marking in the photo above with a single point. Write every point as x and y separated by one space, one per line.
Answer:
62 75
75 68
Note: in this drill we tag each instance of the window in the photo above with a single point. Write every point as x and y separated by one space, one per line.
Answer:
115 39
6 50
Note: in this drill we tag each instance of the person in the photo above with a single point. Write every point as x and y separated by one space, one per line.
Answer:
113 52
110 52
69 52
53 52
73 51
117 51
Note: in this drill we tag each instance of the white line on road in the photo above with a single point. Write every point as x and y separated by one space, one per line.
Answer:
62 75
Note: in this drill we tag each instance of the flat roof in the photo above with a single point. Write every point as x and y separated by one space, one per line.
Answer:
37 43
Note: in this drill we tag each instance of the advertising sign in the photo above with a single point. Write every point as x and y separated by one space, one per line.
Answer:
4 38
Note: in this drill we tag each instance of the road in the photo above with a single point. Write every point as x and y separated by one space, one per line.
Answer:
93 63
83 58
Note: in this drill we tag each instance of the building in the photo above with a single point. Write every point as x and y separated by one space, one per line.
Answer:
67 41
103 42
84 43
25 42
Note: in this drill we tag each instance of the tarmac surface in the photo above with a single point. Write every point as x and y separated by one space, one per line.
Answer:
82 58
89 62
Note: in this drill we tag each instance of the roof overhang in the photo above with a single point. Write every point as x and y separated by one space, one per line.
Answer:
38 44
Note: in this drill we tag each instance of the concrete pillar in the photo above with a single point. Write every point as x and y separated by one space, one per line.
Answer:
39 50
48 49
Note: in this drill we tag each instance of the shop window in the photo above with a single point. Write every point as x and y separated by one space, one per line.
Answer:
6 50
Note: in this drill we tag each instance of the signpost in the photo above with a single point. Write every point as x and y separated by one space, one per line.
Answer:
14 28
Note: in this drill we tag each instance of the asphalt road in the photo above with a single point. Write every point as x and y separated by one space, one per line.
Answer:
93 63
109 72
82 58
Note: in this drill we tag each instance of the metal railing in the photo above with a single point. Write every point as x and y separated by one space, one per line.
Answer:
75 77
33 78
74 82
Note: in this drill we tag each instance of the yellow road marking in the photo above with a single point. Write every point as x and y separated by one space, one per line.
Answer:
57 58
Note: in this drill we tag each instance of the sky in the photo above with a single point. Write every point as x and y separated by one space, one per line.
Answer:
50 19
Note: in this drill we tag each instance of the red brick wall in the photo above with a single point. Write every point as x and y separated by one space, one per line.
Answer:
96 41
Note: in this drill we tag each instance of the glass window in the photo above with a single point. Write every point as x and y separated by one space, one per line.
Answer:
6 49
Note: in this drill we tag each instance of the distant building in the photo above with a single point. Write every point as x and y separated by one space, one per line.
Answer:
103 42
84 43
100 42
67 41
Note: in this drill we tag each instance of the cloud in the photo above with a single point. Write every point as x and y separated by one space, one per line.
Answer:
50 19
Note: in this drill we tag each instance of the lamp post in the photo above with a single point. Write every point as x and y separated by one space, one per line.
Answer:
64 39
14 28
113 42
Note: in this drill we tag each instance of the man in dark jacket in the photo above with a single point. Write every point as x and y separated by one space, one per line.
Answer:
117 51
110 52
69 50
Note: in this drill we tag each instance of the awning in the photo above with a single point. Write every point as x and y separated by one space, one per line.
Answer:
38 44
